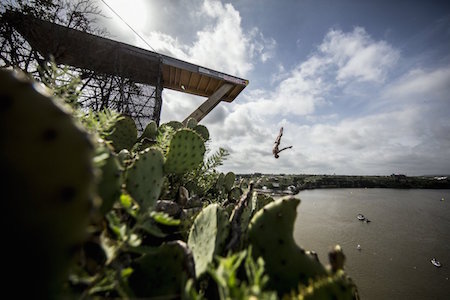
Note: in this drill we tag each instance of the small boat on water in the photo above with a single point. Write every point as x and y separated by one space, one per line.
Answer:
360 217
358 247
435 262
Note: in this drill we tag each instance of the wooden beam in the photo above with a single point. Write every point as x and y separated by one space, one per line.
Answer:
210 103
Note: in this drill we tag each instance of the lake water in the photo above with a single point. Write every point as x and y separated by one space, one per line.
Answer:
408 228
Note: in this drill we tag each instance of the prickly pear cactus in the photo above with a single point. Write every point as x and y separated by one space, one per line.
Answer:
163 273
150 131
207 236
48 153
47 188
144 178
185 153
247 213
123 134
175 125
228 181
124 156
220 181
271 235
234 194
336 286
202 131
260 201
110 180
336 258
191 123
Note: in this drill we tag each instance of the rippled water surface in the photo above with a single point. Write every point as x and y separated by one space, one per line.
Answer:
408 228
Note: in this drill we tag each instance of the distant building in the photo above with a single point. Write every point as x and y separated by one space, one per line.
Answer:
399 177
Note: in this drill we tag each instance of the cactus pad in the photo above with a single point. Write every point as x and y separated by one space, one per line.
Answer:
122 134
234 195
336 286
271 235
191 123
207 236
124 156
175 125
145 177
163 273
261 200
229 181
48 155
46 161
220 181
110 182
185 152
202 131
150 131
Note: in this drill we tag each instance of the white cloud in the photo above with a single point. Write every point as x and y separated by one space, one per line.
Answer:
358 56
341 58
262 46
222 45
421 84
178 106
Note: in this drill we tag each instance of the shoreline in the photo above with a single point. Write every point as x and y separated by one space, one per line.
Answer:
292 184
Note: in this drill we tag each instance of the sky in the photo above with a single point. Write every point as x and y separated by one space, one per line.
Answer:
360 87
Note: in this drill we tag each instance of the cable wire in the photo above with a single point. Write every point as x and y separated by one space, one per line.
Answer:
129 26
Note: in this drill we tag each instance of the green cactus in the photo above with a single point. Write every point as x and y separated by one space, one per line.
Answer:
229 181
336 258
336 286
234 194
47 186
260 201
191 123
163 272
185 153
239 218
271 235
124 156
207 236
248 213
202 131
175 125
144 178
109 184
122 134
150 131
220 181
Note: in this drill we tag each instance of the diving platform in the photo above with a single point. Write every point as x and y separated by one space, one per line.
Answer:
106 56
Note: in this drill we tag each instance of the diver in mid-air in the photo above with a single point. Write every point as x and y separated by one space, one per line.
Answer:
275 149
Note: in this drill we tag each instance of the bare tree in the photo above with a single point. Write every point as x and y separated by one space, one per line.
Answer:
15 51
94 91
